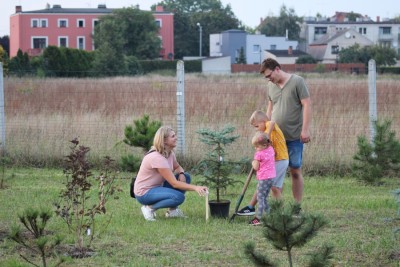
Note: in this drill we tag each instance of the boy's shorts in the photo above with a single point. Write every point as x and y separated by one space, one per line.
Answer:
281 168
295 149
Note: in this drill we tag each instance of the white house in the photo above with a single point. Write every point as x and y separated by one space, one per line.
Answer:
327 47
229 43
385 33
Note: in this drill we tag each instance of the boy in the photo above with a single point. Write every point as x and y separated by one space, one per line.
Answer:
260 121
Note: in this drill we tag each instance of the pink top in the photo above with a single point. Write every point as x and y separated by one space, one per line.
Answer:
148 177
266 157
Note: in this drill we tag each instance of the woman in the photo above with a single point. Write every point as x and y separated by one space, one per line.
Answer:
156 185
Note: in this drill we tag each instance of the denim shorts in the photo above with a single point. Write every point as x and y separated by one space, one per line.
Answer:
295 149
281 168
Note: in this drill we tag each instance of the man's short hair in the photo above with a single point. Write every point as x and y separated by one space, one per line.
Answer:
269 64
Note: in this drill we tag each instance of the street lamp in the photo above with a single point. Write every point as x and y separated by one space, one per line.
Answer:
200 28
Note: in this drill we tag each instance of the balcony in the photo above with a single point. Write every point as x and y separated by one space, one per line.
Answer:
385 37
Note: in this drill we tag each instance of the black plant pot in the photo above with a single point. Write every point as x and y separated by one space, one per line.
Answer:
219 209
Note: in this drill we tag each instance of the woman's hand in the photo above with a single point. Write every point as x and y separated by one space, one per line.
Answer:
201 190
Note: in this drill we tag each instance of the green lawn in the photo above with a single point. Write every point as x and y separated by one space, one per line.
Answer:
360 225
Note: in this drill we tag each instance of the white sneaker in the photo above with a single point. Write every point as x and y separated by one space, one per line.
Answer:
148 213
176 213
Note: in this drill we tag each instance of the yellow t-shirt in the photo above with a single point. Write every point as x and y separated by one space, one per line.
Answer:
278 142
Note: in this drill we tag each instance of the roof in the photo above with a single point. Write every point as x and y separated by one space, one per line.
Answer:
325 39
352 22
57 9
284 53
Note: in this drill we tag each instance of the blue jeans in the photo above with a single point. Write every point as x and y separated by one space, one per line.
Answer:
295 149
164 196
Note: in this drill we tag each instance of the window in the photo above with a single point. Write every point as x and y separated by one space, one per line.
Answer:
63 41
80 23
385 30
81 43
62 23
272 47
158 23
334 49
362 30
95 22
256 49
320 30
34 23
43 23
39 42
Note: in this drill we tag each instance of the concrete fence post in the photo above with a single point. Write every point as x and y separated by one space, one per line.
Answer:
180 95
373 117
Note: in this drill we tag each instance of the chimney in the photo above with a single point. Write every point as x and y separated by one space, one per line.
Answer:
18 9
159 9
290 50
287 34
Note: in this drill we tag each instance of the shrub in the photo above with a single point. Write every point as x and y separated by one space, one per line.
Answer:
76 207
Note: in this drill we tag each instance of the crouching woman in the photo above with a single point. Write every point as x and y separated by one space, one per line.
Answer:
161 182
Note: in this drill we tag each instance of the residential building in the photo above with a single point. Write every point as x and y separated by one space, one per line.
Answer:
326 48
231 42
32 31
228 43
385 33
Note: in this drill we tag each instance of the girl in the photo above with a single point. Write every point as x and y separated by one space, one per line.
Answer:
264 164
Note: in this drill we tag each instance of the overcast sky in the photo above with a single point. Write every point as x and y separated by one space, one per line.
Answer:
248 11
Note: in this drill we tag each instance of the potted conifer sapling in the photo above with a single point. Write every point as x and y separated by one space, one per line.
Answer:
216 168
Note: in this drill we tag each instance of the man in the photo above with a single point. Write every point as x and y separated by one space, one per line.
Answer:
289 105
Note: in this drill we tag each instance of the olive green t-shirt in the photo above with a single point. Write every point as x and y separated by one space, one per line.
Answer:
287 110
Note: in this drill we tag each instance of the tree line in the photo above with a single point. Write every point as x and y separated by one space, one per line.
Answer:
128 38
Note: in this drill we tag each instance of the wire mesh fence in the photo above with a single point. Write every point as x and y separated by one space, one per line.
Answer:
43 115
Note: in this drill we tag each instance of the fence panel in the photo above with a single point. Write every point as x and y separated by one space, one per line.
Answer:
42 115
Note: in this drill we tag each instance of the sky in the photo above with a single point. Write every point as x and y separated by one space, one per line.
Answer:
248 11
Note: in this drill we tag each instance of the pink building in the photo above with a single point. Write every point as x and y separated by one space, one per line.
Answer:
32 31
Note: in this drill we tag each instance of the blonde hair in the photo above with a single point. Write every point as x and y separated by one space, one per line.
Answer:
260 139
258 116
159 140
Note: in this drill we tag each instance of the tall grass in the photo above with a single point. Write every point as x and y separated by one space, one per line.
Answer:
42 115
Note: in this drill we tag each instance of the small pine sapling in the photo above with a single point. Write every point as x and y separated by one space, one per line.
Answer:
140 135
38 241
379 157
286 229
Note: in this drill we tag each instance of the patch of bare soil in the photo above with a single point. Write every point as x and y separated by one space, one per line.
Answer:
395 255
74 252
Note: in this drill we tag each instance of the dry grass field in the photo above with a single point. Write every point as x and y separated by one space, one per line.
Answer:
42 115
